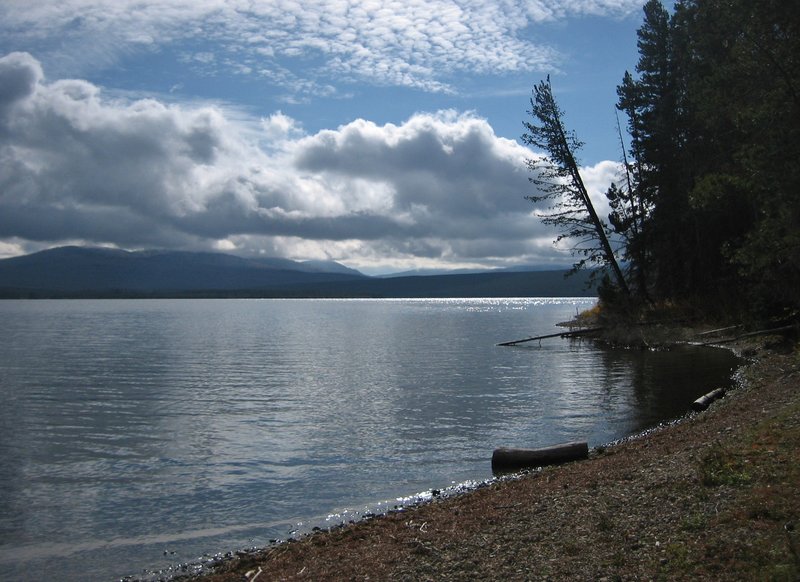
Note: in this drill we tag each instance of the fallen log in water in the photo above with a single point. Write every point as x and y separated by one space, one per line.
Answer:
706 399
719 330
507 460
564 334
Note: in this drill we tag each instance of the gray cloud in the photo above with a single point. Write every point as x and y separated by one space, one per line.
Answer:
446 161
440 187
19 75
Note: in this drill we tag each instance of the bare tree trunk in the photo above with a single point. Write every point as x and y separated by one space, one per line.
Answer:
608 252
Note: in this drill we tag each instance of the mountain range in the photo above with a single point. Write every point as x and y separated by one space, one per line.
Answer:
71 272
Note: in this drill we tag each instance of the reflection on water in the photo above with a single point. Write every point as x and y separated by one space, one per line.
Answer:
139 434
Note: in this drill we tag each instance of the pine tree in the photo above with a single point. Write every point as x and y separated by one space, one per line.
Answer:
745 87
558 178
714 124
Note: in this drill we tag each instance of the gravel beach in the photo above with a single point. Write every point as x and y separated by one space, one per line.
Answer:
714 496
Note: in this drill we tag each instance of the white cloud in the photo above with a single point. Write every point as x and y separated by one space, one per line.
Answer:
597 179
278 128
410 43
11 248
440 187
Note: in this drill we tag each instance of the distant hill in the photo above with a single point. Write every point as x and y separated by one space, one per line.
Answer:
97 272
75 271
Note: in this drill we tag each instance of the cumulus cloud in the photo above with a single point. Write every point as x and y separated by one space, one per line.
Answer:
440 187
310 46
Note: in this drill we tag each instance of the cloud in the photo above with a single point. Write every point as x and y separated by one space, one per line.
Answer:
308 46
20 73
440 187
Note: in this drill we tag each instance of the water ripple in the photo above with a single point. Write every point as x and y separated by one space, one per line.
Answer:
209 426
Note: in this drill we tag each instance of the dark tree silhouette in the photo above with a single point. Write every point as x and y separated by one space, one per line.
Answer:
558 180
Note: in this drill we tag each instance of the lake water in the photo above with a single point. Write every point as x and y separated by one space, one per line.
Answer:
137 435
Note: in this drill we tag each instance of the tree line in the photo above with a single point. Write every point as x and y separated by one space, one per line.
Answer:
706 212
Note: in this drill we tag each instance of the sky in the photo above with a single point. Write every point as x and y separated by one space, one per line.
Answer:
382 134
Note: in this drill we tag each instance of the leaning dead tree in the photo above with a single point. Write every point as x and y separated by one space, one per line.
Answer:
558 181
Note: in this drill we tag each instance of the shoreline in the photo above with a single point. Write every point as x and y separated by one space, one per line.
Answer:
706 496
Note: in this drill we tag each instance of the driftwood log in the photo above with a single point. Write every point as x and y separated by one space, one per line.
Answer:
777 330
706 399
506 460
562 334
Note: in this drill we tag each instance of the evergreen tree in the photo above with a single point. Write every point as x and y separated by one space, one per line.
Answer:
557 177
631 205
659 140
714 124
709 211
745 85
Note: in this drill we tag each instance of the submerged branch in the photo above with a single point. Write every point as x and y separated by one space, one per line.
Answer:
564 334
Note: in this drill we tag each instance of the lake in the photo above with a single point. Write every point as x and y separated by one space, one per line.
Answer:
139 435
